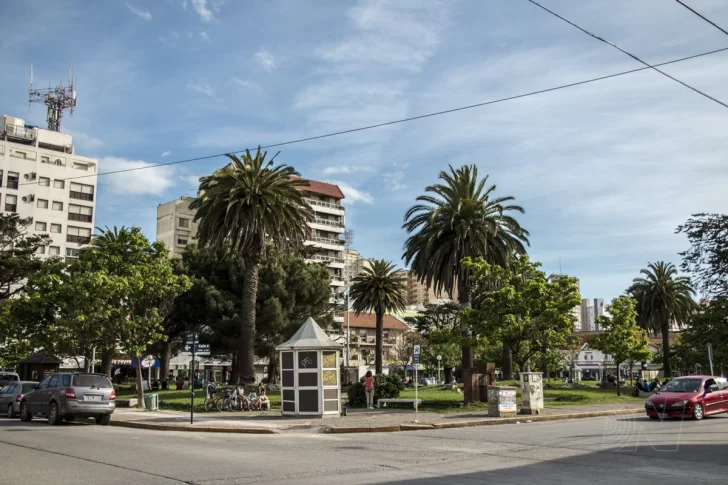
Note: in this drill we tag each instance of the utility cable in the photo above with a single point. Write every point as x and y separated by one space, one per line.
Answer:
703 17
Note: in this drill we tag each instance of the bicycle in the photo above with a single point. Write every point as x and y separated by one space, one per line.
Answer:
215 402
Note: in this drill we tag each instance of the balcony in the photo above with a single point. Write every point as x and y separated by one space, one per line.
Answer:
327 240
79 217
327 259
82 196
78 239
320 203
328 222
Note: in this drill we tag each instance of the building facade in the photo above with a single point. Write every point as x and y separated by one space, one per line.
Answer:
598 312
419 294
362 343
35 165
176 227
587 315
576 312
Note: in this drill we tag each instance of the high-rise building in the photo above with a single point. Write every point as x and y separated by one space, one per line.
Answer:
176 227
35 167
598 312
587 315
576 312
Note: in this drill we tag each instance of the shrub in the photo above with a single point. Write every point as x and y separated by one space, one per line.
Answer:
385 387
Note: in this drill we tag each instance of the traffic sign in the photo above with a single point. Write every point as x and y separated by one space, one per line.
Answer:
193 337
416 355
200 349
148 361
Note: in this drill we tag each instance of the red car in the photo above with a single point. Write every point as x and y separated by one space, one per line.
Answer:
689 396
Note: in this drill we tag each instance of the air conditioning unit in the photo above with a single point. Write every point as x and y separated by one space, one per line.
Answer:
29 198
58 162
30 176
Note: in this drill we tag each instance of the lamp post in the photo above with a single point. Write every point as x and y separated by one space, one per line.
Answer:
439 358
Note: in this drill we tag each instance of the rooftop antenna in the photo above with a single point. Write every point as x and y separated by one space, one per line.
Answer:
56 99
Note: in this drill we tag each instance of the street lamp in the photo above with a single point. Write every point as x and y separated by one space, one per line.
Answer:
439 358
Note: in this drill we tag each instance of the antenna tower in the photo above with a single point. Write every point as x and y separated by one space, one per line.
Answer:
56 99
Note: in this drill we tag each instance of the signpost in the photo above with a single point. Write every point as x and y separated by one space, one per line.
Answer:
416 362
192 344
710 357
439 359
147 363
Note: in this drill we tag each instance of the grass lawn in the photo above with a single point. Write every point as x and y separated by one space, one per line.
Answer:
441 400
180 400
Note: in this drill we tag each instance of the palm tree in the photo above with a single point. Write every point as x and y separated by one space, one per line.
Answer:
457 219
662 298
241 207
107 236
379 290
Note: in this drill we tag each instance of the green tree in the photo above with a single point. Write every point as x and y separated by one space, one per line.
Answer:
17 254
708 325
240 208
439 325
663 299
454 220
378 289
519 306
622 338
707 257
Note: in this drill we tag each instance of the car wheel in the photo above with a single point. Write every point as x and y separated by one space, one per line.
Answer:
103 420
698 412
25 414
11 411
54 417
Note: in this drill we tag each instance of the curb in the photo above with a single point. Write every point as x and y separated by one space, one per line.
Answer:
191 428
380 429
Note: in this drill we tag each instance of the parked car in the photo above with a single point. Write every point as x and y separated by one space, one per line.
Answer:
689 396
69 396
8 377
12 394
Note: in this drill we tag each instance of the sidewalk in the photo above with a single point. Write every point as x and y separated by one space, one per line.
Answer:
357 421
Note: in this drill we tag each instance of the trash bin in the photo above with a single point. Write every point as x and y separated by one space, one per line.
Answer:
151 402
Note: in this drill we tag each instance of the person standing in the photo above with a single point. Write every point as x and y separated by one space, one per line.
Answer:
369 388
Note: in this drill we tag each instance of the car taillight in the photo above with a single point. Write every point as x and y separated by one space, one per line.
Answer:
18 397
113 396
69 393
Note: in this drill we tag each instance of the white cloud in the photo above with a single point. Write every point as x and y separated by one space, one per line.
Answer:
352 195
244 83
346 169
86 142
203 10
265 59
204 36
193 180
165 153
149 181
203 88
145 14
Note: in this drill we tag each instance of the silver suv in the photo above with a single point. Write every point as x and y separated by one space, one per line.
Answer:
70 396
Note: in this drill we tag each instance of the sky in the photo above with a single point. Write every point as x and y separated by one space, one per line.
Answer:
605 171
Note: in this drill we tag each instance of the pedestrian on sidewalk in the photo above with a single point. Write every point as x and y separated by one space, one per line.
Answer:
369 387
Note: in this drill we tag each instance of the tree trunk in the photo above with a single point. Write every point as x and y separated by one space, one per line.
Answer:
448 375
379 345
235 374
106 357
246 345
140 382
87 361
507 368
165 357
666 350
273 368
464 301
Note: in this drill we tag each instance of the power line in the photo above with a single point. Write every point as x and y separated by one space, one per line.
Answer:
703 17
403 120
629 54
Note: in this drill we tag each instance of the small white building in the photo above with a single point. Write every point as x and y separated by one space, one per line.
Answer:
35 167
594 365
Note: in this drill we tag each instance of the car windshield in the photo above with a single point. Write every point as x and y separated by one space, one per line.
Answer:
90 380
28 386
682 385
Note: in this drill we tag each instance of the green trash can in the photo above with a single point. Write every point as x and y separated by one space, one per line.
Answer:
151 402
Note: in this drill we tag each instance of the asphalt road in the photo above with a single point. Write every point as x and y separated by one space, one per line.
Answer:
621 449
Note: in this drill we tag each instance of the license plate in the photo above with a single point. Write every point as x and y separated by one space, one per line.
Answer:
92 397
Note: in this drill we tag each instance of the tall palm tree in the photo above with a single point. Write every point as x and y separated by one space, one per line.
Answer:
662 298
107 236
242 206
379 290
456 219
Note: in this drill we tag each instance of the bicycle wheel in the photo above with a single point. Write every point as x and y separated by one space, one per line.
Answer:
223 404
209 403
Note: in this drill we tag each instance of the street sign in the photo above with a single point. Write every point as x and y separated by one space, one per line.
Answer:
439 358
193 337
148 361
200 349
416 355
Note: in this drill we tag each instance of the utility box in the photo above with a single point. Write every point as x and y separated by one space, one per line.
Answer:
501 401
531 392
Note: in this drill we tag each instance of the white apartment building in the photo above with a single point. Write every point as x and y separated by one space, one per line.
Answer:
176 227
41 177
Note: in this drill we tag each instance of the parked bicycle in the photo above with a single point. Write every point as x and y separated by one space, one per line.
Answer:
213 401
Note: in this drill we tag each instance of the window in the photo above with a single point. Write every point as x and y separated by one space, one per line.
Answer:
13 178
59 184
182 242
57 206
41 250
53 382
44 384
54 250
11 203
82 192
44 181
44 159
18 154
183 223
79 235
1 177
71 254
41 226
80 213
91 380
42 203
56 228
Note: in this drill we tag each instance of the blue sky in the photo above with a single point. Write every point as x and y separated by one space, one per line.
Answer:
605 171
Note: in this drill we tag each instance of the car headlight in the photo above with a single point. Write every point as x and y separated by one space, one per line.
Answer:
680 404
648 402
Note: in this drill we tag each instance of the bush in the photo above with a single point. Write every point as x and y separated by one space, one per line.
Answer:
385 387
